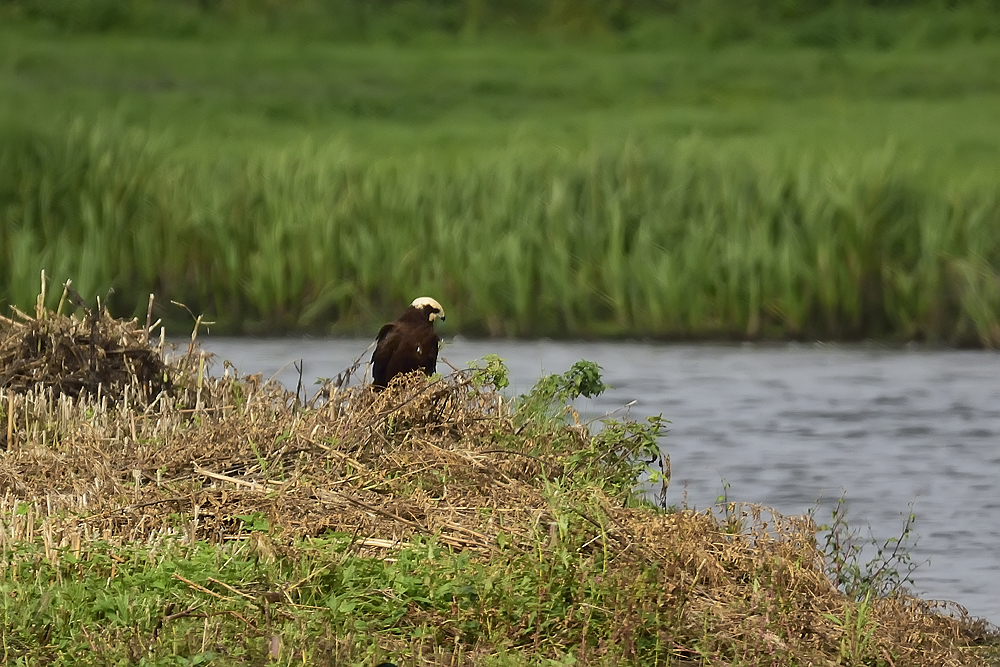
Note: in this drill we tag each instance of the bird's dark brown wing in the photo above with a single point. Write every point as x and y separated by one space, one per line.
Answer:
427 350
384 348
384 331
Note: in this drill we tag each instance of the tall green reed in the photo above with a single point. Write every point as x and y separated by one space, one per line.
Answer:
817 23
524 241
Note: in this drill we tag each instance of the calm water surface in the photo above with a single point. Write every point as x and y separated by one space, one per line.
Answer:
785 426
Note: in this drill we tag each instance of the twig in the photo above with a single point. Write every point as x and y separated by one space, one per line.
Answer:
299 366
232 480
23 315
462 529
238 592
199 587
343 377
89 640
448 539
336 452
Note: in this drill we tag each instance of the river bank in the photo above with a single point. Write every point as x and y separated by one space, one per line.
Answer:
436 523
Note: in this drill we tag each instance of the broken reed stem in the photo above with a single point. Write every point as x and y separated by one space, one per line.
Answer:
40 309
10 421
62 298
232 480
149 318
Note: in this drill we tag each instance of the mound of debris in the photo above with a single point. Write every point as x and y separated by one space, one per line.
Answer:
447 459
96 355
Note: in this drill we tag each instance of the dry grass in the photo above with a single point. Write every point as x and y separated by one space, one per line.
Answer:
187 457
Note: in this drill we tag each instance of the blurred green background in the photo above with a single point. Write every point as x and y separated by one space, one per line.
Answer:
679 169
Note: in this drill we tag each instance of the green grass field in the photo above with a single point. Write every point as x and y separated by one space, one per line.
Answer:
590 186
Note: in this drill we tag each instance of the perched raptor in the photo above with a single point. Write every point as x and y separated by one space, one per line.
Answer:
407 344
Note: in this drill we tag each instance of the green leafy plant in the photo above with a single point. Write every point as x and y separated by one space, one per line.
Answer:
255 522
887 572
493 374
625 449
551 394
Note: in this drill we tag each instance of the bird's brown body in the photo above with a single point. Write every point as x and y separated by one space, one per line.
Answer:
408 344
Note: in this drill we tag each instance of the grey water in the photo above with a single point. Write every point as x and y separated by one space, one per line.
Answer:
792 427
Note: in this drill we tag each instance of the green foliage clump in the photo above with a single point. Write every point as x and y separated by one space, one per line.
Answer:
552 392
615 457
493 374
886 572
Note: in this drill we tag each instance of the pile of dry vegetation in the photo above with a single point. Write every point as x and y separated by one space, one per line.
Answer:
97 355
107 438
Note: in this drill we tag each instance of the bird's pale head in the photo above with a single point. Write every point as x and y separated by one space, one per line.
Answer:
430 306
